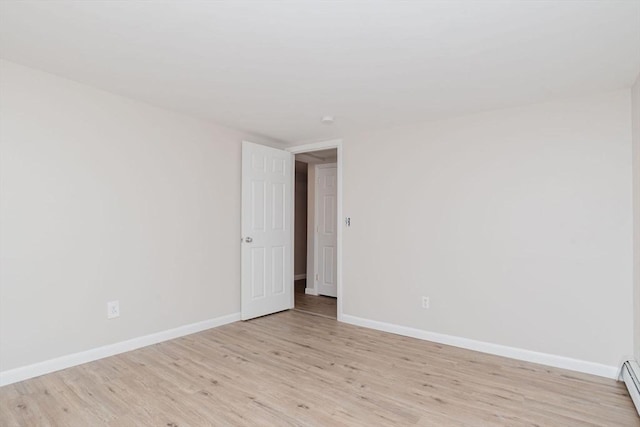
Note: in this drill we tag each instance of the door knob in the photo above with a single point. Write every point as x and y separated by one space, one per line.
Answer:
248 239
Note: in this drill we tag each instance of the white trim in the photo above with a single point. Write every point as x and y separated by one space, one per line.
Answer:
315 146
485 347
310 291
292 232
25 372
300 276
323 145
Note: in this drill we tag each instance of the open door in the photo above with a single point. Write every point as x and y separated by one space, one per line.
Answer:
326 229
266 275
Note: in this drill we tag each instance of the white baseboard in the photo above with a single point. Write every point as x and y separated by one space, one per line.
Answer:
25 372
310 291
485 347
300 276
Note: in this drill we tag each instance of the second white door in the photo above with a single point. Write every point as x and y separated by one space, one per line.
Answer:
326 229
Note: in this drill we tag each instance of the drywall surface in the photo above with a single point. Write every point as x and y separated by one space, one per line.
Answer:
517 224
104 198
635 123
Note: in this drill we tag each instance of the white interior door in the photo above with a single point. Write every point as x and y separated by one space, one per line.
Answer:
267 269
326 229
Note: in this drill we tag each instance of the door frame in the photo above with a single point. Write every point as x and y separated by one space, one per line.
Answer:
317 146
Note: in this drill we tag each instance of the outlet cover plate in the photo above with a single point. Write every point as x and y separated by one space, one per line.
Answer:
425 302
113 309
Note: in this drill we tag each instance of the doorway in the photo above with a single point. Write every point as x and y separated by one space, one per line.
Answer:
308 296
315 234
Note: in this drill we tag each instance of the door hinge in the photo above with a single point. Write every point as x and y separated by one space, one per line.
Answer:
317 276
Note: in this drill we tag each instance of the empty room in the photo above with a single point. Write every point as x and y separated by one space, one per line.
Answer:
320 213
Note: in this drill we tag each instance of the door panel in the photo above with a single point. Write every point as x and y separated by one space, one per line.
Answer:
278 191
257 272
327 236
258 204
266 272
277 269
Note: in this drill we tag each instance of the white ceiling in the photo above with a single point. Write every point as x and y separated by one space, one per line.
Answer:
276 67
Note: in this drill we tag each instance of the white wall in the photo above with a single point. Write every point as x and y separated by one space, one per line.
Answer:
635 121
106 198
516 223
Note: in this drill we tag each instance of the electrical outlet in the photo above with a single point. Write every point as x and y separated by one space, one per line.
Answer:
113 309
425 302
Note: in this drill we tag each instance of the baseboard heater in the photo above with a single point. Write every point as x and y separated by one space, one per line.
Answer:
630 374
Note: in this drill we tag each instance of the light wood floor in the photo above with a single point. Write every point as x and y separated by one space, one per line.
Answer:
296 369
319 305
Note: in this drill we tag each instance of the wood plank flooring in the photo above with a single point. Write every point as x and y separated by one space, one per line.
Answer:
314 304
294 369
